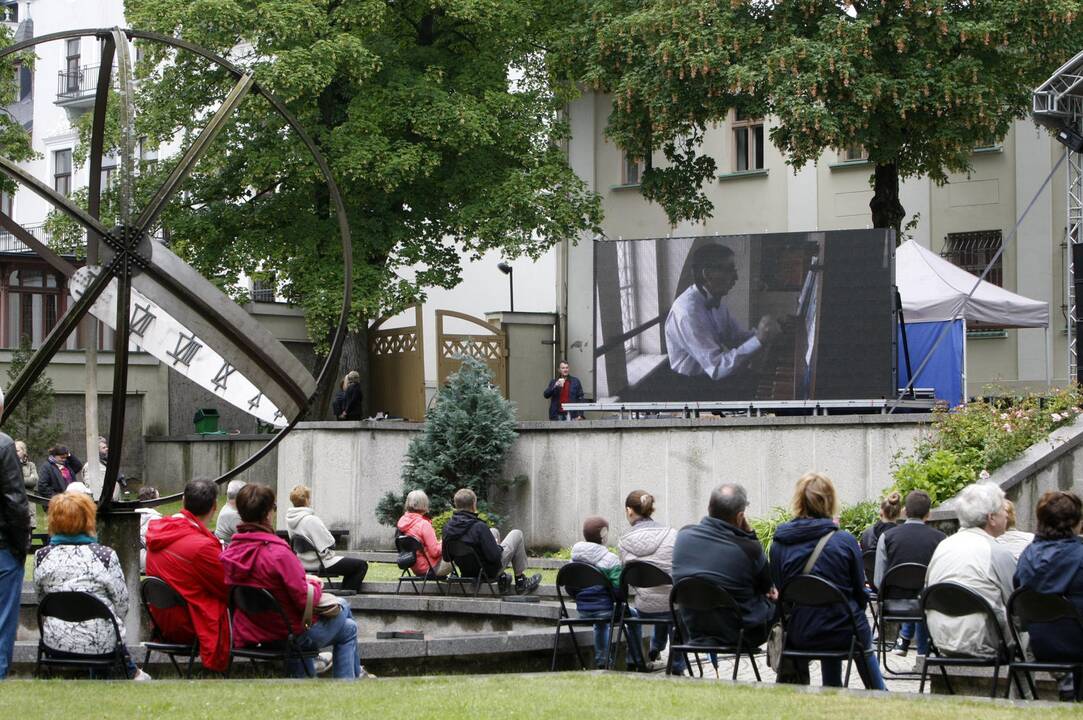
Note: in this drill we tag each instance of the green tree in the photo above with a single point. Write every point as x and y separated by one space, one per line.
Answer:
466 436
31 420
917 83
437 120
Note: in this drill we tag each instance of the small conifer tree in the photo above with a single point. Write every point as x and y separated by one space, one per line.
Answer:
466 436
31 421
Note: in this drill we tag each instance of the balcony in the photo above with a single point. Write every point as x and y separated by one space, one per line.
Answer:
76 88
9 244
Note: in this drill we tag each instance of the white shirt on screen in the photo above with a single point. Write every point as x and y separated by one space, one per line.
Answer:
704 340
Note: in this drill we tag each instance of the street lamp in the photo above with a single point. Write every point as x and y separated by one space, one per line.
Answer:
507 269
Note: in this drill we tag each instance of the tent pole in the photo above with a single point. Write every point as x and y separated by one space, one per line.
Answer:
906 345
965 394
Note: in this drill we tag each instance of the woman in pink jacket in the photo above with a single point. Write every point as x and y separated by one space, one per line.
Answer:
256 557
415 522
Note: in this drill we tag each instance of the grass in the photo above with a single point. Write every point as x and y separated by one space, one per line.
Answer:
567 695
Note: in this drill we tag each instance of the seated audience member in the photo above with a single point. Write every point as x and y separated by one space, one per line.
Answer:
302 520
30 480
724 550
890 508
911 542
973 558
1015 540
73 560
256 557
650 542
58 471
840 563
495 554
415 522
228 518
184 553
146 514
1053 564
594 602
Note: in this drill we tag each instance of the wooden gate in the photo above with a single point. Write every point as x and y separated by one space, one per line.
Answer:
397 369
490 346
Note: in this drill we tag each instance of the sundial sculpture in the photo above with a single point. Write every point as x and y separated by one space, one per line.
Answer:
152 297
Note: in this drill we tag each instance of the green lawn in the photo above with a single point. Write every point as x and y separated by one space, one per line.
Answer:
568 695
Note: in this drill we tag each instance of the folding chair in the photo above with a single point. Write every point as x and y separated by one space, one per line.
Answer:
955 600
693 594
1027 607
868 562
637 575
78 607
900 602
468 568
253 601
409 544
809 591
572 578
158 594
300 545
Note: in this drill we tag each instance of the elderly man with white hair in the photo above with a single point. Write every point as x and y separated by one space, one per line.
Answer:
973 558
228 517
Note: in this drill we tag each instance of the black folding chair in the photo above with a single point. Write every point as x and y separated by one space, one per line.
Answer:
571 579
900 602
955 600
868 562
253 601
637 575
409 544
809 591
158 594
78 607
1027 607
468 568
302 545
693 594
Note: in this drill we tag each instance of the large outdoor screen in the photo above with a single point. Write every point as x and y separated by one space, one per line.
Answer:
787 316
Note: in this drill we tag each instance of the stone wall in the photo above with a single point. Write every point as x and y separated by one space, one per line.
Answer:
172 462
570 470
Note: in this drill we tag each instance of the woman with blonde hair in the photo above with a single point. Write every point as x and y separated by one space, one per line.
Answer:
302 520
839 562
890 510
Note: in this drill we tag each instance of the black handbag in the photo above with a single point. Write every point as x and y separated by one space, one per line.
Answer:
406 559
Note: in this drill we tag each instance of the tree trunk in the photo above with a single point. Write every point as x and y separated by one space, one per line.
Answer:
887 211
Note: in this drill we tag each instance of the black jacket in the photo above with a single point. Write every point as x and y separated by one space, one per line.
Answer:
14 513
552 392
351 402
473 531
51 482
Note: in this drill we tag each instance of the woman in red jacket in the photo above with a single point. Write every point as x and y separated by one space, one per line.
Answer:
415 522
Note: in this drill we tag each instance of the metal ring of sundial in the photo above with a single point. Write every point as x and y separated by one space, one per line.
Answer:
217 325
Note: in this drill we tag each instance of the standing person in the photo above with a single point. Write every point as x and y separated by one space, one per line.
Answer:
103 458
814 506
351 398
30 481
564 388
184 553
228 518
338 403
890 509
302 520
58 471
14 544
650 542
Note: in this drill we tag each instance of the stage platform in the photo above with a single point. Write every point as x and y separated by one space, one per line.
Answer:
756 408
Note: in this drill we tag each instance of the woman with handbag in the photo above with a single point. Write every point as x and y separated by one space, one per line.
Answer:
812 544
256 557
415 522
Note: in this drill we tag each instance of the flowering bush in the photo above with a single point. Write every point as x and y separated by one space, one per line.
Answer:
970 442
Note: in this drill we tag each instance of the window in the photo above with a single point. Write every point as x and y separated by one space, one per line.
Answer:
24 82
10 11
631 170
854 153
109 172
148 154
972 251
33 304
71 66
629 317
62 171
264 290
747 142
7 203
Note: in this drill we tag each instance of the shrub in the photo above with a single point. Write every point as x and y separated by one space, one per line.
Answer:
439 521
855 518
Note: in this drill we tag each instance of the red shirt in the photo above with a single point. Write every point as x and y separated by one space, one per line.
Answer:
565 393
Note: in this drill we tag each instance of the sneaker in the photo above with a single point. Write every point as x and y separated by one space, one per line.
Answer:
902 646
525 585
323 662
503 583
141 676
365 674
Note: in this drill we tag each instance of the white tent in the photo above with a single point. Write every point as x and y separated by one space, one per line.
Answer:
933 290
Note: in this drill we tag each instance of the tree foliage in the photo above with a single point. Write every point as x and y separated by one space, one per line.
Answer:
31 420
466 436
917 83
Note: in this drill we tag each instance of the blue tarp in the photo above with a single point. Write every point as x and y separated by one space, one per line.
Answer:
944 371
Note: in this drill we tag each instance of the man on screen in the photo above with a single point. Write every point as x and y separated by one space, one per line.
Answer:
565 388
702 338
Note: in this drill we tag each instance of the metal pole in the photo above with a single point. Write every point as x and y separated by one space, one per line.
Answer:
511 288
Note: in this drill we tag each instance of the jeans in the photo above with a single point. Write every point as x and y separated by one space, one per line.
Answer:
906 630
601 639
11 586
340 632
831 672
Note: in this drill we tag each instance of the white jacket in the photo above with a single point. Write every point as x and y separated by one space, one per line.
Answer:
650 542
89 568
303 521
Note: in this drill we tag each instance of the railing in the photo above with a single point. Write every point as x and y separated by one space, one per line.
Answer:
77 84
11 244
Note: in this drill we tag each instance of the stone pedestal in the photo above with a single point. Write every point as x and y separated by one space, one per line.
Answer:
120 531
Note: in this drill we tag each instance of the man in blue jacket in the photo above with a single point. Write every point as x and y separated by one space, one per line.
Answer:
564 388
465 525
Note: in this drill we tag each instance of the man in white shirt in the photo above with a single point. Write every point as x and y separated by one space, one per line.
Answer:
973 559
702 338
228 516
